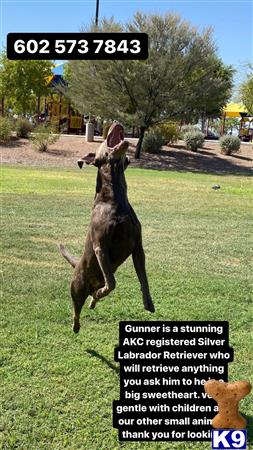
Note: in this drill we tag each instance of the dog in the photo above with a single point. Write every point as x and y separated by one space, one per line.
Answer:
114 232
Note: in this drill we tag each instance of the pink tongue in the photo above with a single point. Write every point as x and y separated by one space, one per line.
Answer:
113 141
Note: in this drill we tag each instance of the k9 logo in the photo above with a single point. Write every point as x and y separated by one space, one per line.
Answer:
229 439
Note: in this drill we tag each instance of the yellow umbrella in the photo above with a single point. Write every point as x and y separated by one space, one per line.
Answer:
234 110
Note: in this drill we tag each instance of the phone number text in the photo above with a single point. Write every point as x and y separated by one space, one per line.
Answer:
77 46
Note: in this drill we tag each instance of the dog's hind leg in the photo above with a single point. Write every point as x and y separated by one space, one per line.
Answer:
138 256
106 269
78 298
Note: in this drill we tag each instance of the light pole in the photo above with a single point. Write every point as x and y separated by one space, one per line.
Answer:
97 9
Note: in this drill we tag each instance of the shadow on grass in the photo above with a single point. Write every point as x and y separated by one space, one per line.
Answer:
177 158
14 142
244 158
249 428
102 358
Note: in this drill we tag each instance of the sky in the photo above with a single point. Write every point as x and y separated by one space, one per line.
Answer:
232 20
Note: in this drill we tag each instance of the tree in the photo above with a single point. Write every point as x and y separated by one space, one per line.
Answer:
181 78
212 90
23 81
228 125
231 123
246 92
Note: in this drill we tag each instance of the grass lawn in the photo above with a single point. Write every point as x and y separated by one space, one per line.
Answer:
57 387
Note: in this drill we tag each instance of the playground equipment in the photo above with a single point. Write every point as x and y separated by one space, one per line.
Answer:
237 110
57 110
246 129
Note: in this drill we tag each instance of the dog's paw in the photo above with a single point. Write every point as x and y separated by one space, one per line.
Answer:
149 306
98 294
92 303
76 327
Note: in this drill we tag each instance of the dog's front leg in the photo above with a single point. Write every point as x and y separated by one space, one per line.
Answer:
105 266
138 256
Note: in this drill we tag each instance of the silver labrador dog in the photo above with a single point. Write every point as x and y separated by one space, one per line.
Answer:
114 232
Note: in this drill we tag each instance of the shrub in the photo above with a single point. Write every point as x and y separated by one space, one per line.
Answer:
188 129
194 140
23 128
169 130
230 144
5 129
152 142
43 136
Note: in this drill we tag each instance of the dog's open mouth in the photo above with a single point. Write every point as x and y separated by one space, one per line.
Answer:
115 135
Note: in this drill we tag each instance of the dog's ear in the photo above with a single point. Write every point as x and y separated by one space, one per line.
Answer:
87 159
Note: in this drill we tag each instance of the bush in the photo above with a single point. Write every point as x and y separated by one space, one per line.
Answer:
230 144
169 130
152 142
43 136
5 129
194 140
23 128
188 129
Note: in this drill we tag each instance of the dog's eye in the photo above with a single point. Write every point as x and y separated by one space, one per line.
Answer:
106 153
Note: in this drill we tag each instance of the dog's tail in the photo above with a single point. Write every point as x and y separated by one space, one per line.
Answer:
70 258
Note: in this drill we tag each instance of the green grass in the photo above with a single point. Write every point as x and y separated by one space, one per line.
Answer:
57 388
